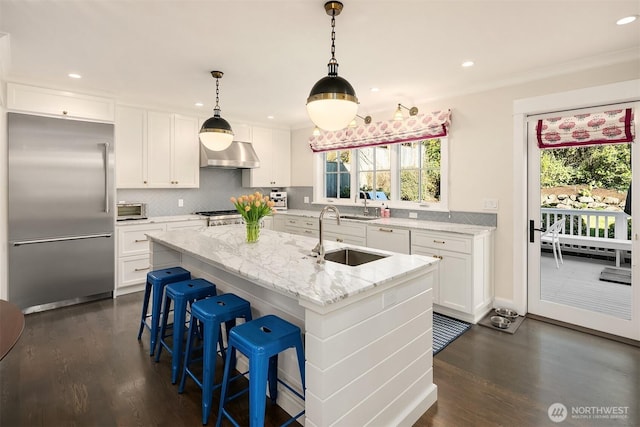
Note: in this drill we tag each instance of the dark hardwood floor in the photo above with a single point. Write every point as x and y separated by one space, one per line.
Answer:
82 366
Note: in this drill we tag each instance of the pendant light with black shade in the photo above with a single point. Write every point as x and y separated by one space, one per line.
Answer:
216 133
332 103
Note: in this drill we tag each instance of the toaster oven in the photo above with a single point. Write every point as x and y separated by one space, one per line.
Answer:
131 210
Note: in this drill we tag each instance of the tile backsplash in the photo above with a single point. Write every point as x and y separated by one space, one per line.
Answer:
217 186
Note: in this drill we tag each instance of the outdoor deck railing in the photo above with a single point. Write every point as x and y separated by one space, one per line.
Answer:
587 224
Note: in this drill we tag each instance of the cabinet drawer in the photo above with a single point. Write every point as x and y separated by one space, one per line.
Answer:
303 232
388 239
135 241
301 225
133 270
187 225
446 241
345 229
344 238
301 222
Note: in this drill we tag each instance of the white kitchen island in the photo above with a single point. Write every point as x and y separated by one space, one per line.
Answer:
367 329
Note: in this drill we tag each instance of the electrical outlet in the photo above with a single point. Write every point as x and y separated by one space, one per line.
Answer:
180 203
306 199
413 215
490 204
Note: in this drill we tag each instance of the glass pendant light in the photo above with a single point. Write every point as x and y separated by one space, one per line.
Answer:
216 133
332 102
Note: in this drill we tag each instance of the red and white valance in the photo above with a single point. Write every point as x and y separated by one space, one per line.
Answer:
607 127
413 128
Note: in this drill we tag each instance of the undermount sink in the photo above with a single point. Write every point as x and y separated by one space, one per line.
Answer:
358 217
352 257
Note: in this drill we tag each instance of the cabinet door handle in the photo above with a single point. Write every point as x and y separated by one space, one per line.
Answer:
386 230
141 269
442 242
308 231
339 240
309 223
291 221
141 240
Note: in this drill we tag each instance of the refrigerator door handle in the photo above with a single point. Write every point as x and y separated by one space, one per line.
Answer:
106 176
61 239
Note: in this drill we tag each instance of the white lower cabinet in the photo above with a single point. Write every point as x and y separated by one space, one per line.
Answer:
352 233
302 225
133 252
267 222
464 284
389 239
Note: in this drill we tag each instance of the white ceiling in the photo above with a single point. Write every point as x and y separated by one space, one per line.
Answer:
272 52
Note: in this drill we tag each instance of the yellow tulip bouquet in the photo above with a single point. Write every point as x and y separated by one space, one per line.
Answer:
253 207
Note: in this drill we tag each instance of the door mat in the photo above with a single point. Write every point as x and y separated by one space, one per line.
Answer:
513 327
616 275
446 330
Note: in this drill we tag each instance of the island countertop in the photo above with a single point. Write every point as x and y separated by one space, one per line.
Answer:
283 262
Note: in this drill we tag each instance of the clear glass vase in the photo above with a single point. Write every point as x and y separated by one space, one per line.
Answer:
253 231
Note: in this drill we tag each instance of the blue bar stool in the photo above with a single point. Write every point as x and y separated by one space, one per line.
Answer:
156 281
212 313
261 340
182 294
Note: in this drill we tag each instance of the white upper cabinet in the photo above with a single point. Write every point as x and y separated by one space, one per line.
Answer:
186 151
38 100
273 147
159 149
156 149
131 149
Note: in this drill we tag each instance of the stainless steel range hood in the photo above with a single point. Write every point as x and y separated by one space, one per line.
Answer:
239 155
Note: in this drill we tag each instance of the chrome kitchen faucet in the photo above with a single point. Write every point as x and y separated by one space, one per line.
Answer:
319 249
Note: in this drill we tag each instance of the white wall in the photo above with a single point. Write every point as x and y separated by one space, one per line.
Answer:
481 153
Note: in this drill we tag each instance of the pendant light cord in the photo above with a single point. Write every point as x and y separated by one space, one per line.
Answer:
216 109
333 62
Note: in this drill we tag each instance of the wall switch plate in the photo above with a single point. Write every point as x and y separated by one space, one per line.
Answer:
306 199
180 203
413 215
490 204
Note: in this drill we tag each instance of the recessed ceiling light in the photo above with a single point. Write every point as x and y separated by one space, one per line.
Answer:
467 64
626 20
270 117
74 75
199 104
375 89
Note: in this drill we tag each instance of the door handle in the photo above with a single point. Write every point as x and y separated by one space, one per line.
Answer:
532 229
60 239
106 176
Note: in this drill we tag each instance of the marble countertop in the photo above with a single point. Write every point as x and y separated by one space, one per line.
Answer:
158 219
408 223
283 262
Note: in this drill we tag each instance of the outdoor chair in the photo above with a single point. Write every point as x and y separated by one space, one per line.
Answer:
552 235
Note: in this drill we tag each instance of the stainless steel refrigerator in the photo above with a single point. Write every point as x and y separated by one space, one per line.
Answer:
61 225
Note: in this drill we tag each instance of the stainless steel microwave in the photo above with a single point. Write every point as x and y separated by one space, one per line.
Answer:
131 210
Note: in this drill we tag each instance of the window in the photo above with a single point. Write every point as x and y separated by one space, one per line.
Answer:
408 175
374 171
420 171
337 174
